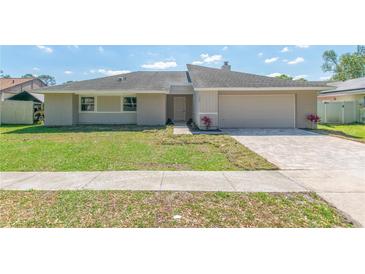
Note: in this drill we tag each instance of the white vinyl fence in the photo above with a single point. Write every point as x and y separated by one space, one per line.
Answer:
16 112
338 112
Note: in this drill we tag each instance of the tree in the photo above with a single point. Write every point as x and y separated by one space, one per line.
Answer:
2 75
347 66
284 77
48 79
301 79
28 75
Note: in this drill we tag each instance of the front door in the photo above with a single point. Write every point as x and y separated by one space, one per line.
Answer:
179 108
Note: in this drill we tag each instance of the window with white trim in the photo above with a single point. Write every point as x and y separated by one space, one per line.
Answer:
87 103
129 103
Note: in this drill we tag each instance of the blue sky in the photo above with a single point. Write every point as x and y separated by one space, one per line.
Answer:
87 62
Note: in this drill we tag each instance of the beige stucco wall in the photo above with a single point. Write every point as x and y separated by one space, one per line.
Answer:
151 109
109 103
108 118
59 110
170 106
206 105
306 103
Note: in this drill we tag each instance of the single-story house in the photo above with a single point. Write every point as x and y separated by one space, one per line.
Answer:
230 99
11 86
344 102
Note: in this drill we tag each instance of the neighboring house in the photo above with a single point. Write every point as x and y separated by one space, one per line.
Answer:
11 86
344 103
230 99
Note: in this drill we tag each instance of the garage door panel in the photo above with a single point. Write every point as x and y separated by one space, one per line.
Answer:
257 111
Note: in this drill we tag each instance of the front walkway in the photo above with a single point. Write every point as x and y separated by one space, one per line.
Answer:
181 128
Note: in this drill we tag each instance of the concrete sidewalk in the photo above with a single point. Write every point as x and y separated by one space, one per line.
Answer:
345 189
244 181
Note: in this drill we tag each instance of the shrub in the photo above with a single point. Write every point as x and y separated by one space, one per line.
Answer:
314 118
207 121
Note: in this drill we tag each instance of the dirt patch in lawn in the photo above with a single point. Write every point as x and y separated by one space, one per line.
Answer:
165 209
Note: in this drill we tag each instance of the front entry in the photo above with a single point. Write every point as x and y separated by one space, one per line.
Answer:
179 109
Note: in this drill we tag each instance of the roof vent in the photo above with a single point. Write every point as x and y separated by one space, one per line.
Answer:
226 66
123 78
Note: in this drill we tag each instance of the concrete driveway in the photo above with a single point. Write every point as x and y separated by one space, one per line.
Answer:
300 149
332 167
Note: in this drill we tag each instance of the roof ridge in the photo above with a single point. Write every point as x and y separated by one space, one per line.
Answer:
251 74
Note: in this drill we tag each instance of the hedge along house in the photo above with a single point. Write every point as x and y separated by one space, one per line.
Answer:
230 99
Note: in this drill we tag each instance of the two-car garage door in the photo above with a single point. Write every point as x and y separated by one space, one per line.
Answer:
257 111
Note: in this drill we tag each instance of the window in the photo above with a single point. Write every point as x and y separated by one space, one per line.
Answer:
87 103
129 103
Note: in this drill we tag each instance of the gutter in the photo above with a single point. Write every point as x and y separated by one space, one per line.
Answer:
263 89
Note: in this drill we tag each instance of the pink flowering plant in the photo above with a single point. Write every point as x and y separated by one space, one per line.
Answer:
207 121
314 119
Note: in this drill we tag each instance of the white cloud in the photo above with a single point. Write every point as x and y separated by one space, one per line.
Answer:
68 72
160 65
225 48
207 59
260 54
271 60
324 78
100 49
45 49
296 61
285 49
107 72
302 46
275 74
36 69
210 59
300 76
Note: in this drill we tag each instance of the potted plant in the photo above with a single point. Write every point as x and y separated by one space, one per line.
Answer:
314 119
207 121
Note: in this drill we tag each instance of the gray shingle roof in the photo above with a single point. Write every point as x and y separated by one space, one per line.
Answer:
203 77
196 76
349 85
139 80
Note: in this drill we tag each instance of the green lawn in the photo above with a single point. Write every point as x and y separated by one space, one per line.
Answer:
351 131
158 209
86 148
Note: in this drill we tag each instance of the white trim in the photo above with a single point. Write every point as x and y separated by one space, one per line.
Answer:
208 113
122 102
103 92
109 112
95 104
103 112
295 110
262 89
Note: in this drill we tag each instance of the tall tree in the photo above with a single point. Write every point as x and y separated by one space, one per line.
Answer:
48 79
28 75
347 66
2 75
285 77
